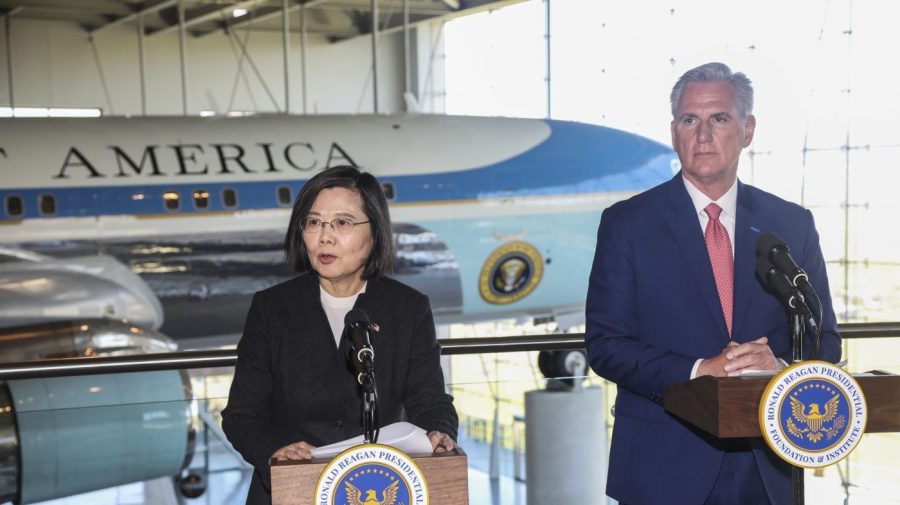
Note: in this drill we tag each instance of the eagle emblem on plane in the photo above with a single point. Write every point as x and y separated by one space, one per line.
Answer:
388 494
815 420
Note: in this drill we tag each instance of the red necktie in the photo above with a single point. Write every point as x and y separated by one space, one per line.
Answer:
720 256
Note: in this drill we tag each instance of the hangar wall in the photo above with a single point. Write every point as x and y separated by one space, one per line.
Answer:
53 65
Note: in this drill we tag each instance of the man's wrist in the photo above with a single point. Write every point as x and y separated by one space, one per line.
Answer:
696 368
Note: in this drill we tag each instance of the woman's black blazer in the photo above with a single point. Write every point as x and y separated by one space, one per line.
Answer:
292 383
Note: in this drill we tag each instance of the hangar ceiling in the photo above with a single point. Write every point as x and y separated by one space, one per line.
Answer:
333 19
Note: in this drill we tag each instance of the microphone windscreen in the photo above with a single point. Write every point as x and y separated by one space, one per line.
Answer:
763 266
767 242
356 315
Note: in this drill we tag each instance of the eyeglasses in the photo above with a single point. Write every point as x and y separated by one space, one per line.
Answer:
342 225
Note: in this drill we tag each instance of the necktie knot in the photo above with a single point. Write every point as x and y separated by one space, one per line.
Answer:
713 211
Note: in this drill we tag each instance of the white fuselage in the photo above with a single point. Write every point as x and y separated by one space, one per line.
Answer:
179 196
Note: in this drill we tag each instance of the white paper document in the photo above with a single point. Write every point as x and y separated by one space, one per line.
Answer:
757 373
771 373
403 436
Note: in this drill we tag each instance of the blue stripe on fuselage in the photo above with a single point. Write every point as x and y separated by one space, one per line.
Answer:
576 158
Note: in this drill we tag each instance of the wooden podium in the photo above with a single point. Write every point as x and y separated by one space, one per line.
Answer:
447 475
728 407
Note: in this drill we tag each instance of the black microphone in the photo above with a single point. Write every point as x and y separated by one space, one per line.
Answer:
772 247
356 328
782 286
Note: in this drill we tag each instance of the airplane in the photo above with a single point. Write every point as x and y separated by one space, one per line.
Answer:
493 217
171 224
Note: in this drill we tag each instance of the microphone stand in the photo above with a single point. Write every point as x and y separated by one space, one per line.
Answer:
797 329
370 403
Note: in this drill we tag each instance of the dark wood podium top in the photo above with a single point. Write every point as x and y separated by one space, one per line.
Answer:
728 407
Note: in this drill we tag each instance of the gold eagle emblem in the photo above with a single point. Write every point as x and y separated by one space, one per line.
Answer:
354 495
815 420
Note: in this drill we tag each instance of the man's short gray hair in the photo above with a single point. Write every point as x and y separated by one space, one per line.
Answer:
717 72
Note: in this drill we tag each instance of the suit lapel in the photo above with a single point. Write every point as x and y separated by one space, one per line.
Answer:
746 231
683 221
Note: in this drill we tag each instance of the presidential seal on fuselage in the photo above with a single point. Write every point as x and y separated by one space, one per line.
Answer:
510 273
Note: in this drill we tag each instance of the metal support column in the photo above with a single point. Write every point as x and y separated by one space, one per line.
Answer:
184 99
407 84
286 36
303 54
141 64
9 66
375 56
547 39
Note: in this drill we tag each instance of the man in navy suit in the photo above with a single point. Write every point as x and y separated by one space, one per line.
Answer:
673 296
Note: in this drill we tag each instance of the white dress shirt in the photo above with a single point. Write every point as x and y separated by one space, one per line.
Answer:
728 203
336 308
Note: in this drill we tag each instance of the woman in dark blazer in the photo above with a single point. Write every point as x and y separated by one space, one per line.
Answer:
294 388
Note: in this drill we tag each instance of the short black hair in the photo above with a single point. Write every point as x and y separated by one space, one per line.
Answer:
381 259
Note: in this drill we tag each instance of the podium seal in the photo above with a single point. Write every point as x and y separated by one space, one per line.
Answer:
371 474
812 414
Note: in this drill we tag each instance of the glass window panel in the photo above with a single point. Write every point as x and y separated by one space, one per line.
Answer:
14 207
201 199
171 200
229 198
284 196
47 204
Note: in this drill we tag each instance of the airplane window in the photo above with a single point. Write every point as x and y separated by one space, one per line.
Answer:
284 195
172 200
388 189
14 206
229 198
201 199
48 205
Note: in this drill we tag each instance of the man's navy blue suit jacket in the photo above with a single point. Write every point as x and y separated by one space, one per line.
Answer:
652 310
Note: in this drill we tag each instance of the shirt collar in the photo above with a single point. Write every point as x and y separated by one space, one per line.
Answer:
728 201
341 300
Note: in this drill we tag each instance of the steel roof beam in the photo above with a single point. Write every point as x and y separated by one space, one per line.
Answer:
216 13
144 10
